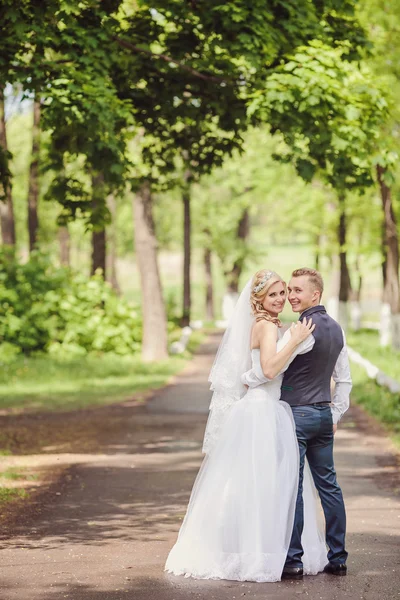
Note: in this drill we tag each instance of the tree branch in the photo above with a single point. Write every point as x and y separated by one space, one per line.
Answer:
168 59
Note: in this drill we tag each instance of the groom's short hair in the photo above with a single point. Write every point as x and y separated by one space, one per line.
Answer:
314 276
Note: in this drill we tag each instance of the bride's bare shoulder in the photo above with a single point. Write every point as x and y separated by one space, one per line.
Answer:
265 323
264 327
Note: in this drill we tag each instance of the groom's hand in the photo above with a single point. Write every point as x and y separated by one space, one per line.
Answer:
334 428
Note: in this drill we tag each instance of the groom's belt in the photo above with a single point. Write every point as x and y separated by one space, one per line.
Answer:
311 404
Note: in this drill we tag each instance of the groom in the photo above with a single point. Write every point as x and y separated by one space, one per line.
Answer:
306 388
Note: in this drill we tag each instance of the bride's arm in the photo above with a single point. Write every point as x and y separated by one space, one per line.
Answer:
272 361
283 353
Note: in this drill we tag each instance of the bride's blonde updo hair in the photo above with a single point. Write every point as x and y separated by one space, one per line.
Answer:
262 281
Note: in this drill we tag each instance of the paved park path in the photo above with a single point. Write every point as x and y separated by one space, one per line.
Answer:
105 532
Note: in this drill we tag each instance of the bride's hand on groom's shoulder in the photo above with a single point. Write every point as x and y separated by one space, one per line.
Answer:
301 330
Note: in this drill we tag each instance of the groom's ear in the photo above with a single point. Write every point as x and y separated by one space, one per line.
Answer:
316 295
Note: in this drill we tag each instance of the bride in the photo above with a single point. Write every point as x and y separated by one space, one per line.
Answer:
240 516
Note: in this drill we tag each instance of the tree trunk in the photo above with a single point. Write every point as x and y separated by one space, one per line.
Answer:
154 345
355 303
186 251
112 239
64 241
210 315
33 191
232 277
99 250
391 243
332 302
99 231
6 205
384 260
385 325
317 251
242 235
344 282
384 318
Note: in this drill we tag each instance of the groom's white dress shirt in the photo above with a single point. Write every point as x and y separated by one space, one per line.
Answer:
341 376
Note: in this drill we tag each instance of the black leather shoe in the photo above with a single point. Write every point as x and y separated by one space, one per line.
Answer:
292 573
340 570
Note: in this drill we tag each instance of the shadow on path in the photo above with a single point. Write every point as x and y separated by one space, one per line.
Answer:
107 531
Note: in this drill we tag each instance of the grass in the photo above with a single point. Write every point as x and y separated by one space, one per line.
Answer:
44 383
10 486
9 494
366 342
378 401
15 475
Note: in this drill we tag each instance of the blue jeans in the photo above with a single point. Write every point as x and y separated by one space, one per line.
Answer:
314 432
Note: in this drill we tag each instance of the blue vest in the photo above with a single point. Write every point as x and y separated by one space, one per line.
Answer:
308 378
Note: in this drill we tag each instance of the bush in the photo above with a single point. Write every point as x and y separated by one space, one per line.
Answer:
8 352
45 308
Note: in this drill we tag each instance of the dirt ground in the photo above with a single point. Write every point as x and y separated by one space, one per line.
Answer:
118 481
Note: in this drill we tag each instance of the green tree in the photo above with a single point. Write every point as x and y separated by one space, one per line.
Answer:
7 220
344 112
33 192
183 71
201 88
382 21
279 207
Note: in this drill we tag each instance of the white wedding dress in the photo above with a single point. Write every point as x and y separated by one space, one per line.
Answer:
240 516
